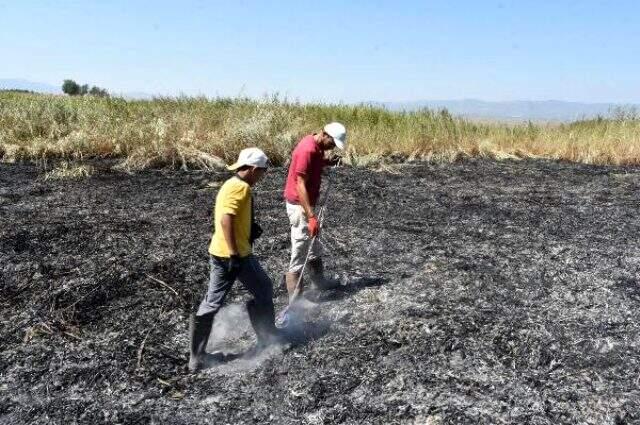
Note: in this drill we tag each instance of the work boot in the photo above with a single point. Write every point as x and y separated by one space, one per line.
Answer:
316 273
199 331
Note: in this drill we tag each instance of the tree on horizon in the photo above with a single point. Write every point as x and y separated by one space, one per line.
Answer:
72 88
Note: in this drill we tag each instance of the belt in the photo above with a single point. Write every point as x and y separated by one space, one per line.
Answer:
297 203
227 258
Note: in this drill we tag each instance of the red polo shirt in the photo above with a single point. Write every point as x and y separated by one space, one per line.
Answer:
307 160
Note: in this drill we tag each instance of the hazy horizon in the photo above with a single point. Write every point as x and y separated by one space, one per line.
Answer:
57 88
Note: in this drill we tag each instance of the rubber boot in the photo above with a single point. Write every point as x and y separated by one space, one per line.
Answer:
316 273
199 331
262 318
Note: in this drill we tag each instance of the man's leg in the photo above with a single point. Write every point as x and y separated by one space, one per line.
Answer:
260 308
315 266
299 246
201 322
302 241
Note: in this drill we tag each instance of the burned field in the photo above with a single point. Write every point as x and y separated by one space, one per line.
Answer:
479 292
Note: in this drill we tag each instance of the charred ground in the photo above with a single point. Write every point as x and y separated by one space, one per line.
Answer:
479 292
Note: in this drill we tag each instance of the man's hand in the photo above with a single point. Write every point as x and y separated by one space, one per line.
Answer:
234 266
313 226
332 160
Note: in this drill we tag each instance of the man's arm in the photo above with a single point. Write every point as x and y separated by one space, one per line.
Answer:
303 196
229 233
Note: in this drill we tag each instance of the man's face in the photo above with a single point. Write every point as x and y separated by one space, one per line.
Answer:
327 142
257 174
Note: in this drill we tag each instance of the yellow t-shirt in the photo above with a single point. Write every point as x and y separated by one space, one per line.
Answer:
233 198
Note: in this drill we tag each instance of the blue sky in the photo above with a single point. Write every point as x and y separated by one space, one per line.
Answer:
332 50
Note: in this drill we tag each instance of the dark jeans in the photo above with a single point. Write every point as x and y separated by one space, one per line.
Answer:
251 275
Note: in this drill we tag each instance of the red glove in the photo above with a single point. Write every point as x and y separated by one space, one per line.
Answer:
313 226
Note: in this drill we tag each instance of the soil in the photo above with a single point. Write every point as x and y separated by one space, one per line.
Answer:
477 292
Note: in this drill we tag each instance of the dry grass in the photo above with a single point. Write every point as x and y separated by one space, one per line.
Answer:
69 171
202 133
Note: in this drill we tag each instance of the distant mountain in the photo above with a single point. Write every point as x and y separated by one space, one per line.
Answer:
18 84
135 95
548 110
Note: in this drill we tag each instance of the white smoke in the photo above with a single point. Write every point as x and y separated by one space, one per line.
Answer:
230 326
233 336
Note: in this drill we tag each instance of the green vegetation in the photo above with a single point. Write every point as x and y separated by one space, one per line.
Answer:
201 133
72 88
16 91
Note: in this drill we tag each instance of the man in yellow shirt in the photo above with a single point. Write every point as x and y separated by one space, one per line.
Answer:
231 259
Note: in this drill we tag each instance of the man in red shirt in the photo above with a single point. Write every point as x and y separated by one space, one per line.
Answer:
301 194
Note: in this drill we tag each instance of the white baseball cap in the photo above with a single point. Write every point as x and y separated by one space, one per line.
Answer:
338 132
253 157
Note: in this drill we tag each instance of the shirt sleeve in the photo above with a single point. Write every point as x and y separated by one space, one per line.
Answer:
302 164
235 199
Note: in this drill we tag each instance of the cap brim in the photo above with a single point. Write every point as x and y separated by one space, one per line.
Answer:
234 167
339 144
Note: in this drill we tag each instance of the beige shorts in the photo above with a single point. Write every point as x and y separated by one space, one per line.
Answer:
300 239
